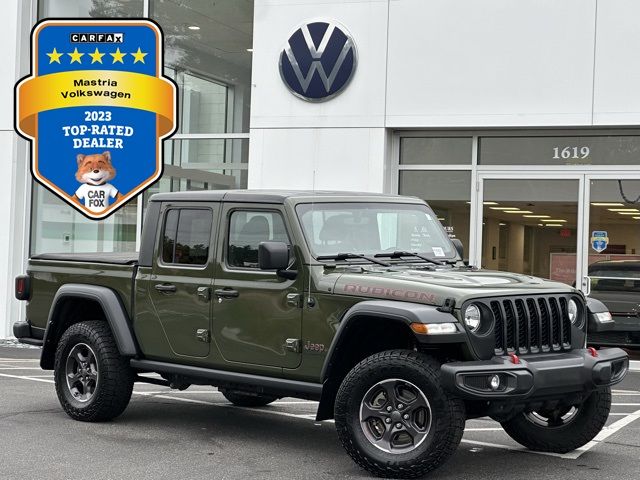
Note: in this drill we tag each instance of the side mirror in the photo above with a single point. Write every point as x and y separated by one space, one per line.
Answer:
274 256
459 247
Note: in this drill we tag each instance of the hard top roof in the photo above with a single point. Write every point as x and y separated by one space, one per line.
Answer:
277 196
630 264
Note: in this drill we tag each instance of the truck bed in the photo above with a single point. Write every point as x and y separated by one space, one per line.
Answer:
49 271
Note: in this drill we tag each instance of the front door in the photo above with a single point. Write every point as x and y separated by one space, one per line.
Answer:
257 317
182 276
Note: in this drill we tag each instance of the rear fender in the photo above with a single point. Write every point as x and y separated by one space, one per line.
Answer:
112 308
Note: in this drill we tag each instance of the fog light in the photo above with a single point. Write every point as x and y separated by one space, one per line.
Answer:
494 382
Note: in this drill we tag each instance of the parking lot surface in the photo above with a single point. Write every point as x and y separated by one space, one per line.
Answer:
196 433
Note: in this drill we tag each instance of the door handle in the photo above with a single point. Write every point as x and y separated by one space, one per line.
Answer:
226 293
165 288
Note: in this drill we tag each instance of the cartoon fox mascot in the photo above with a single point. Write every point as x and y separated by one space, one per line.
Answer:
94 172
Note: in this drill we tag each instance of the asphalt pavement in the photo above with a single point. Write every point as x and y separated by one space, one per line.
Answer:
197 434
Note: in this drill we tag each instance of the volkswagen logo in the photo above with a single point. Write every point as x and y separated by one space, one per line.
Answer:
318 61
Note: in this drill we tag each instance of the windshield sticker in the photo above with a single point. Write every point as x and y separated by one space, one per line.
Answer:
438 251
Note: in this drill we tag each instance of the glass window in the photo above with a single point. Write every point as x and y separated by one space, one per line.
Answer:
57 227
586 150
91 8
208 49
448 194
247 229
435 150
529 226
370 228
186 237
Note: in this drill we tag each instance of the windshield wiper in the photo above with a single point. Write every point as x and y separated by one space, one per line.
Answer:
346 256
402 253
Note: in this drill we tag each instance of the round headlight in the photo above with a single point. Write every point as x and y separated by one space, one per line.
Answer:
472 317
573 311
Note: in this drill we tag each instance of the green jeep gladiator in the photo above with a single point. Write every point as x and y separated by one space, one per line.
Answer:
358 301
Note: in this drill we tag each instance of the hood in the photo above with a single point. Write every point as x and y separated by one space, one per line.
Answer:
434 286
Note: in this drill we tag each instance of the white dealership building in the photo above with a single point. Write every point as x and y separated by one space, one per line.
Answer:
516 120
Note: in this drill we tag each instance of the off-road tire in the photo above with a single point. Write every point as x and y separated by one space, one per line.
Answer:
447 420
243 399
586 424
115 377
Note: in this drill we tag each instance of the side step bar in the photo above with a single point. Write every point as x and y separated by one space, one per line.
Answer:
280 386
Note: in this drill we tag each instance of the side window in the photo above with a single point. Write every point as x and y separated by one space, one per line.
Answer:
186 236
247 229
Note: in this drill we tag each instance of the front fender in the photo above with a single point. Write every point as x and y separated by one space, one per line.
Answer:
404 312
114 313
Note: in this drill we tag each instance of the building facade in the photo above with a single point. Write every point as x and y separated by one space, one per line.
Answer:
517 121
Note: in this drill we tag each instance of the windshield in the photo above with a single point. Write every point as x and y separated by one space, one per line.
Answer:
373 228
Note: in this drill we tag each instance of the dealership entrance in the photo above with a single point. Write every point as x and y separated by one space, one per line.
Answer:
538 204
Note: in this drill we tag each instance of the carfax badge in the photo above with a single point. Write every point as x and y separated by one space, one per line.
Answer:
96 108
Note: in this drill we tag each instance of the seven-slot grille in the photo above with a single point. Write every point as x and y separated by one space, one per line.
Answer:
531 325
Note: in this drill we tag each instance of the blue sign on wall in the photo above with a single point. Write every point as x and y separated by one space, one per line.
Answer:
318 61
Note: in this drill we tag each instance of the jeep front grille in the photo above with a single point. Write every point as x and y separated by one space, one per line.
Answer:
530 325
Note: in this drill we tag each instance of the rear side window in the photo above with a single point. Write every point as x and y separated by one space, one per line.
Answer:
247 229
186 236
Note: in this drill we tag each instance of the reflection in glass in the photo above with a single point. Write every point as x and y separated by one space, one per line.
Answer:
91 8
448 193
529 226
613 211
57 227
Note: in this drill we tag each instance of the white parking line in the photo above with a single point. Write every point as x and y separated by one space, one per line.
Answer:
601 437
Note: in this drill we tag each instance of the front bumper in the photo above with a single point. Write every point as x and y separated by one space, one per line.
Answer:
536 376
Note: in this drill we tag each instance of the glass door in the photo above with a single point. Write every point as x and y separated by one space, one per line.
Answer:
531 226
611 230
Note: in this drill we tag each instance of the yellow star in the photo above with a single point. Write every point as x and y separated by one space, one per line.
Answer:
138 56
96 56
54 56
118 56
75 56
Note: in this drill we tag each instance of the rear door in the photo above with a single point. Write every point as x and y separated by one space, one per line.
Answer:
257 317
182 275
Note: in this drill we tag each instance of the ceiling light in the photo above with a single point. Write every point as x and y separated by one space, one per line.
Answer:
636 218
518 211
607 204
504 208
249 49
554 225
627 213
193 27
553 220
536 216
484 203
624 210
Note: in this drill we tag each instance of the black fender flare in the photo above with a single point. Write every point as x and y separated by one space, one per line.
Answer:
403 312
114 312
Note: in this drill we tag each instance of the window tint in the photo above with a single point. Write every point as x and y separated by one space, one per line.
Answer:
247 229
187 233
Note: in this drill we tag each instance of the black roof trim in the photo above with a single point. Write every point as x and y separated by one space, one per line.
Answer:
272 196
